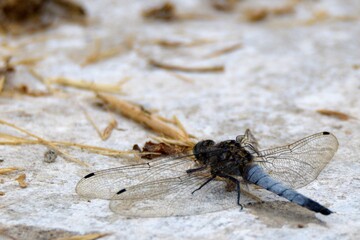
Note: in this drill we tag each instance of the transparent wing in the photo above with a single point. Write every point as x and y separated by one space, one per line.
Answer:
173 197
104 184
299 163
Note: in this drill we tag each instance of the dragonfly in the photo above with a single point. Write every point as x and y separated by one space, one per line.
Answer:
197 182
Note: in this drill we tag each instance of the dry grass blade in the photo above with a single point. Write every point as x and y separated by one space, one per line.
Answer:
2 82
107 131
81 84
181 77
41 79
91 236
224 5
28 61
8 170
98 54
65 155
4 71
218 68
138 114
225 50
12 140
177 44
164 12
186 143
21 180
335 114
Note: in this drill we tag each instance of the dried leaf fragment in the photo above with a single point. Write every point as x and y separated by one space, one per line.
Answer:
164 12
335 114
91 236
160 149
21 180
2 193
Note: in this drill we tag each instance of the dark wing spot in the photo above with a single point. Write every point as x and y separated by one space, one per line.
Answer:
121 191
326 133
89 175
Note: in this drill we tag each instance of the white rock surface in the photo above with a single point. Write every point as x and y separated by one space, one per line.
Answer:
284 72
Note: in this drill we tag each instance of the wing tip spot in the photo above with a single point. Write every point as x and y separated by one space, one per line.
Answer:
121 191
89 175
326 133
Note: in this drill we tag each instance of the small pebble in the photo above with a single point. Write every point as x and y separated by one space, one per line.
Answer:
50 156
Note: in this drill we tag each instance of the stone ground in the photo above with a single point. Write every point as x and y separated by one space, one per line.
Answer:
287 68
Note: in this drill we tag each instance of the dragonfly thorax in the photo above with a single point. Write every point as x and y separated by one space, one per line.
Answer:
226 157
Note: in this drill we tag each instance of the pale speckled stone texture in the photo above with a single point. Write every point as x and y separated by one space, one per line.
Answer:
274 84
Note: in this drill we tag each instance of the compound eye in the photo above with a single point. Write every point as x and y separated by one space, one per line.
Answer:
203 146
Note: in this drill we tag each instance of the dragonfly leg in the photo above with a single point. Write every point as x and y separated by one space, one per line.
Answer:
237 182
196 169
202 185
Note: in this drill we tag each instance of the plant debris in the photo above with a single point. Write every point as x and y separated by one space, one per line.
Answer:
259 14
164 12
159 149
51 145
176 44
8 170
166 66
91 236
256 15
104 135
96 87
13 140
2 193
140 115
19 16
224 5
225 50
21 180
335 114
5 70
98 53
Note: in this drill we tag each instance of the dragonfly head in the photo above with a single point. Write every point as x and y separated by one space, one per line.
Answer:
203 150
